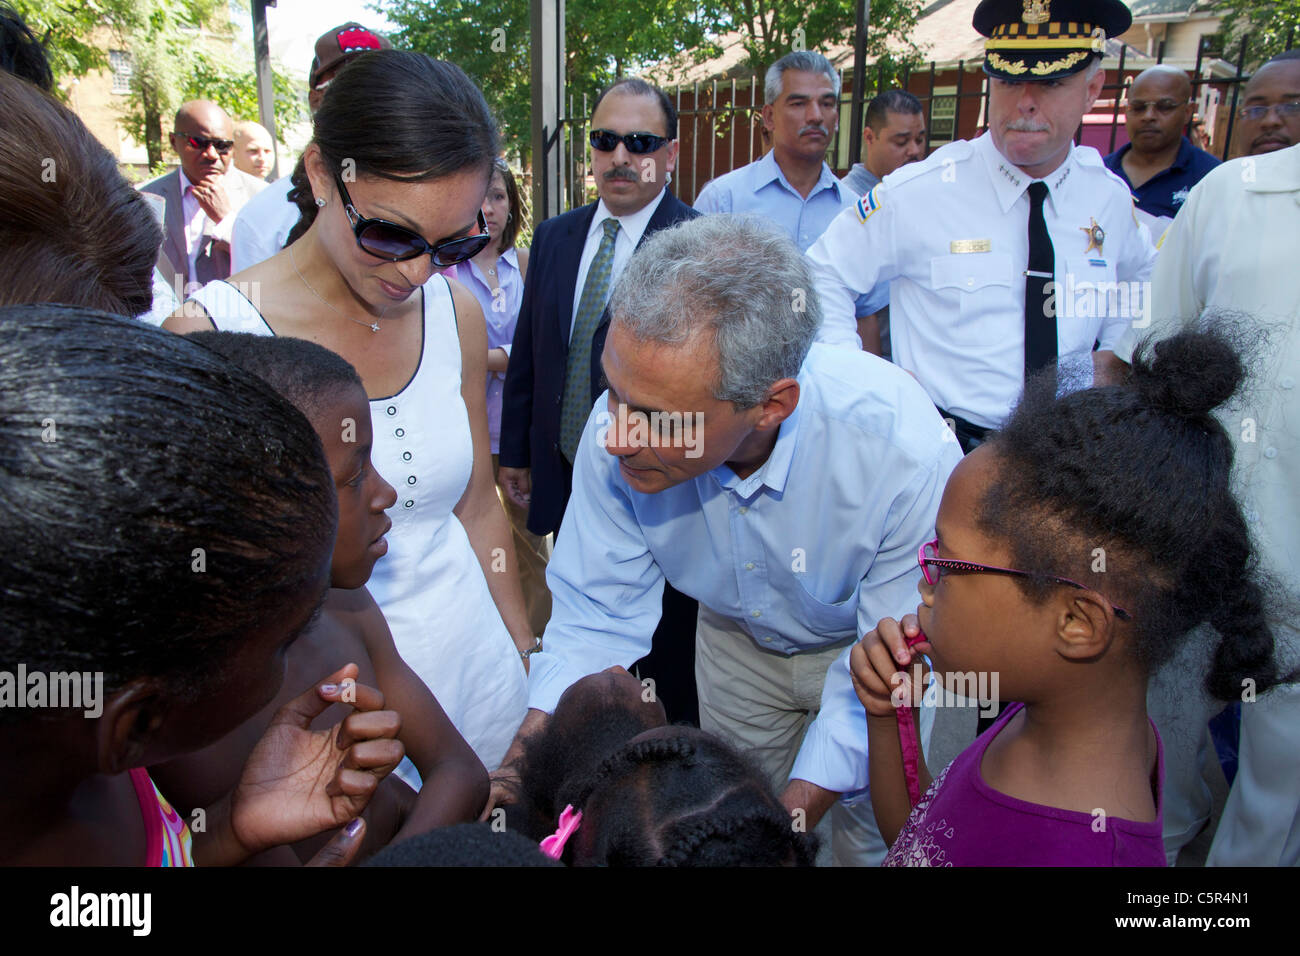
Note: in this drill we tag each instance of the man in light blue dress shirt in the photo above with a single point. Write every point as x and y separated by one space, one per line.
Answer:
791 184
785 485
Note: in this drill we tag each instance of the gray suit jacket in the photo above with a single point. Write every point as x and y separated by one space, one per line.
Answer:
213 260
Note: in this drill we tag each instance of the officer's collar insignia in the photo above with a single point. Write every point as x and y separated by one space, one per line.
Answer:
1096 236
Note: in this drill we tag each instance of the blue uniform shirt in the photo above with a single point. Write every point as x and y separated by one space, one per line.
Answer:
1164 193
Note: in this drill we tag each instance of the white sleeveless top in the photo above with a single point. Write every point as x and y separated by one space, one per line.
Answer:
430 585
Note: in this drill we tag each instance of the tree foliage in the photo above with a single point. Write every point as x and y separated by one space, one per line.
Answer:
1268 23
179 49
490 40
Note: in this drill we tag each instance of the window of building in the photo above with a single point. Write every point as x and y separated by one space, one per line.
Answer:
120 62
943 115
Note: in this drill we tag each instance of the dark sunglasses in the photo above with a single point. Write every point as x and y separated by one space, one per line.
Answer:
607 141
927 558
387 240
223 146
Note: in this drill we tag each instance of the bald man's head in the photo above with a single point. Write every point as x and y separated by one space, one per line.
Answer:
203 137
1264 125
1158 109
254 149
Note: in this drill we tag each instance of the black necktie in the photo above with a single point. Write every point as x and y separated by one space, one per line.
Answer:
1040 326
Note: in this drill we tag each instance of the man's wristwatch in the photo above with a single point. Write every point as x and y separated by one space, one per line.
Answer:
535 649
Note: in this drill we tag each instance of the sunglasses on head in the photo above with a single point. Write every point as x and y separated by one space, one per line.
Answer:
201 143
387 240
607 141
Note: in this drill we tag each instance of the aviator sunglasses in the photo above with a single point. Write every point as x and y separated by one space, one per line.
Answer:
387 240
927 558
607 141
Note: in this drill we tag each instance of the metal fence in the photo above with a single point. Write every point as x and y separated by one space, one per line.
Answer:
720 122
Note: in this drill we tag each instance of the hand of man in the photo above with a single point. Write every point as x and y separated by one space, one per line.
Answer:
213 199
517 483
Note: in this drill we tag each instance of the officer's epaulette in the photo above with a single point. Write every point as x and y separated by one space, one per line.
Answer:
943 158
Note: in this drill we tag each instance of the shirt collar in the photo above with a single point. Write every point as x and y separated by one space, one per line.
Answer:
1185 155
769 171
774 472
510 258
185 181
1009 181
634 224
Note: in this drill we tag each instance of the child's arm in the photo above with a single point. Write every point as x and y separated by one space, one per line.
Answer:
876 664
455 781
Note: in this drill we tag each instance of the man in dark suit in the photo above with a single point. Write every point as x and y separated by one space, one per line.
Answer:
554 376
201 198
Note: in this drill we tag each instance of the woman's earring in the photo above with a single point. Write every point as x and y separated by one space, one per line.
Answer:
320 202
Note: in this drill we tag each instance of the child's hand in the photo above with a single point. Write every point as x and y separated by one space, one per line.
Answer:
299 782
877 660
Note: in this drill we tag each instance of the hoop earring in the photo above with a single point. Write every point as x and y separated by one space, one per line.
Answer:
320 202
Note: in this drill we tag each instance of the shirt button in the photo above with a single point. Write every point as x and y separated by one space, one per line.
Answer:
756 613
1286 382
406 456
400 432
1270 452
767 640
408 503
410 480
749 566
743 510
392 409
970 282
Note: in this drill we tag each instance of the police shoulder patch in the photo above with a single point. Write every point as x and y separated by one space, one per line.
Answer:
868 204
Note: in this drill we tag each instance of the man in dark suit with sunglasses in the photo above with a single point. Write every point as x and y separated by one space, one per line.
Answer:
201 198
554 375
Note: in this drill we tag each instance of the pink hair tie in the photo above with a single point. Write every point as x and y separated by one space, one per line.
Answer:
553 845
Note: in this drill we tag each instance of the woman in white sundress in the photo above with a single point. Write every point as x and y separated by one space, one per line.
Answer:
389 190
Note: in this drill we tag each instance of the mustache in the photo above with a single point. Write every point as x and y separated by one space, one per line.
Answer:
815 128
621 172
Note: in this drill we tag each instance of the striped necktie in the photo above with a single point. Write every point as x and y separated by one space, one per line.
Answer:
577 373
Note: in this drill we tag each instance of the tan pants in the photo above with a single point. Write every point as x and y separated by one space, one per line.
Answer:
531 555
763 703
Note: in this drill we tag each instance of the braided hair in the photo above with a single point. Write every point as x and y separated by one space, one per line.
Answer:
684 799
1141 472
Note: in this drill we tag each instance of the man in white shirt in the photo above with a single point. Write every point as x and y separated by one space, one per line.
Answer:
1003 253
1230 257
201 198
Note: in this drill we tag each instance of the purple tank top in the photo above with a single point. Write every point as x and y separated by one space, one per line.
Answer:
962 821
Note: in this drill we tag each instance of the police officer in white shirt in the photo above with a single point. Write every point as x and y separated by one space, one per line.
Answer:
1010 254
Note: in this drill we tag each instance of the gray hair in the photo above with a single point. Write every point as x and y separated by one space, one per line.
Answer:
738 279
804 60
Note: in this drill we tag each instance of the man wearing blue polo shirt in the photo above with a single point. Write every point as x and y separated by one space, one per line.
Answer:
1159 163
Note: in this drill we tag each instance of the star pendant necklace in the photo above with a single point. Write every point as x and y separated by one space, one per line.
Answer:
372 326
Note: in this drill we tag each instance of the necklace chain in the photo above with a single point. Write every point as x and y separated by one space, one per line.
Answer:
372 326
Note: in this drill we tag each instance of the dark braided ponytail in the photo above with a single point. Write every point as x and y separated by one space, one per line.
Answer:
1142 471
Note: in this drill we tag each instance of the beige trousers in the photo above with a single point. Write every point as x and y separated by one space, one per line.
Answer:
763 702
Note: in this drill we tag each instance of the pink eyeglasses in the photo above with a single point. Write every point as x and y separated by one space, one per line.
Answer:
926 558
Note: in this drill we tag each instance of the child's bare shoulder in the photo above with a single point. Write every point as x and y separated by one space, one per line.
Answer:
355 611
